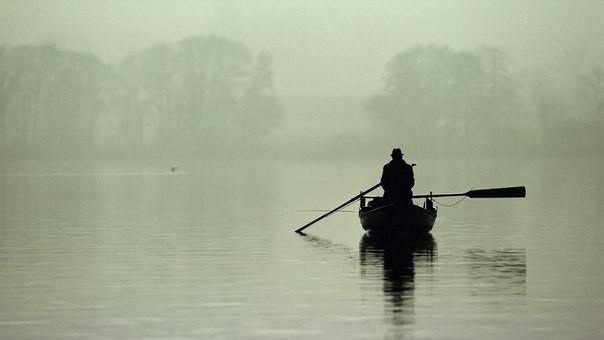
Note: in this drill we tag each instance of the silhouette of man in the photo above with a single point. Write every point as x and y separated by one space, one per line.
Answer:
397 179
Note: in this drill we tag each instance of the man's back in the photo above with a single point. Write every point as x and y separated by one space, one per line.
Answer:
397 180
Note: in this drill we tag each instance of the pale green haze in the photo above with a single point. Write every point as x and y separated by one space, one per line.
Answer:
122 78
156 157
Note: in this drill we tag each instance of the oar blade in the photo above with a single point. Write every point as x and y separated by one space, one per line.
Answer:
509 192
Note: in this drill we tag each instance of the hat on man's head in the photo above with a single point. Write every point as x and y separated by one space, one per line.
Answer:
396 153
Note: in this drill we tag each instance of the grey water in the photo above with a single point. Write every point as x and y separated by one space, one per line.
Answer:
206 250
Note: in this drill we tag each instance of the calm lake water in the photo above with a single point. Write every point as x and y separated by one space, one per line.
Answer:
207 251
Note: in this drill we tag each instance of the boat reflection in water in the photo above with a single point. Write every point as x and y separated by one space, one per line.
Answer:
395 258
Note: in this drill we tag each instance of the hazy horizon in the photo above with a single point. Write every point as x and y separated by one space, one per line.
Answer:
318 47
326 63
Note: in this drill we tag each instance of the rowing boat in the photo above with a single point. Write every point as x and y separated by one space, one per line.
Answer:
383 217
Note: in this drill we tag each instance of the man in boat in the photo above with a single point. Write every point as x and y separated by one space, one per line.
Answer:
397 179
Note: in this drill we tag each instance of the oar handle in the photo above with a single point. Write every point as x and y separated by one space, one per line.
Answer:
508 192
439 195
299 230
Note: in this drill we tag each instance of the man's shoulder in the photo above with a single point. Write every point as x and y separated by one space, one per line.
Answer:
391 165
396 162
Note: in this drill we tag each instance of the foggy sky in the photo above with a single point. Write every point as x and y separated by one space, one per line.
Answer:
319 47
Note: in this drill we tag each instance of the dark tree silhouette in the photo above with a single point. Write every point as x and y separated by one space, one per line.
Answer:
429 91
50 98
451 98
200 93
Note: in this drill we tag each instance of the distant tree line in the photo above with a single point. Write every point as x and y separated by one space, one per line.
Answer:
206 94
468 101
200 94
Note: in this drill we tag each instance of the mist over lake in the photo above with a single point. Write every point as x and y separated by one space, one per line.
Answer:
155 160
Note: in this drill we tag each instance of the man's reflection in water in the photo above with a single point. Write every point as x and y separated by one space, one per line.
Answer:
397 257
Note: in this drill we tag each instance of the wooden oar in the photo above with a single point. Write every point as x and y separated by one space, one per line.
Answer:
509 192
299 230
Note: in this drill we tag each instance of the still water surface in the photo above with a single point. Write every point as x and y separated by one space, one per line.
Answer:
138 251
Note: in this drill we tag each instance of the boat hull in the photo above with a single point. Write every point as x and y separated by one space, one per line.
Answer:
397 218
